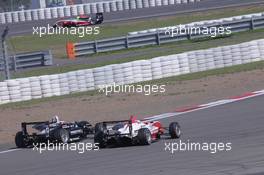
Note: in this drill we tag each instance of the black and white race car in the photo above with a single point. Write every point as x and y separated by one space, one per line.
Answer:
53 131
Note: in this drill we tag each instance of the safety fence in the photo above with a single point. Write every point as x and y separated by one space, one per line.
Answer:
74 10
131 72
164 35
29 60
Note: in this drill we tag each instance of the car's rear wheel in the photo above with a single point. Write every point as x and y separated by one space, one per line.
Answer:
175 130
100 135
144 136
99 127
100 139
21 140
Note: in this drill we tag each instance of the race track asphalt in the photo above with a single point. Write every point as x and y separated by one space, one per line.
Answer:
240 123
114 17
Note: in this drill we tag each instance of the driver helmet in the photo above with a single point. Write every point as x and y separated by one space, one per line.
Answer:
55 119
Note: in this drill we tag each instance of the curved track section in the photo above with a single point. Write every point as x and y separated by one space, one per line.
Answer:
240 123
114 17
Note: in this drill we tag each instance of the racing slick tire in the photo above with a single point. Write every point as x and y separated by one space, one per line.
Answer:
174 130
62 135
98 127
100 135
55 26
144 136
100 139
20 140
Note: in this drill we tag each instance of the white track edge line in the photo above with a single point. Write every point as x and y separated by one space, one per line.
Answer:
161 116
10 150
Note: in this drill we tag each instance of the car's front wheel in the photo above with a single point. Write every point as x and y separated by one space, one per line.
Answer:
175 130
55 26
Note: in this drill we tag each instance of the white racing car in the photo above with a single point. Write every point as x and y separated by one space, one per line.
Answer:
132 132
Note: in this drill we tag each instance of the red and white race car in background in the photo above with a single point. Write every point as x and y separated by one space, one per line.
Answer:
132 132
82 20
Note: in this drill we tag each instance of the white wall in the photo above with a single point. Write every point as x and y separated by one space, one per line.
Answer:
115 5
132 72
42 3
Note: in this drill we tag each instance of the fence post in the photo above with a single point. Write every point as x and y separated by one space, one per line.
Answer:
252 27
189 35
5 54
158 38
95 47
127 43
43 59
70 48
48 58
14 63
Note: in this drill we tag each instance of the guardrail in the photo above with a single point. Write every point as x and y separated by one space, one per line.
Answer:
159 37
131 72
74 10
200 23
29 60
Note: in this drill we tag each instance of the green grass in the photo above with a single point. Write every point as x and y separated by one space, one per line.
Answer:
151 52
170 80
57 43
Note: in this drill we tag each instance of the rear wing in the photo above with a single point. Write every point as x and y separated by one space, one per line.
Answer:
111 123
108 124
25 124
116 121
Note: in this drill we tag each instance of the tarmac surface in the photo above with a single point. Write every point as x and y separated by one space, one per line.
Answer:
239 123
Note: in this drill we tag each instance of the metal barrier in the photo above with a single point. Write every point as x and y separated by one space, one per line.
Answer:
29 60
36 87
160 37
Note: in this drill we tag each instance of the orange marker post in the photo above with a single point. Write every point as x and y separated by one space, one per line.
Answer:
70 50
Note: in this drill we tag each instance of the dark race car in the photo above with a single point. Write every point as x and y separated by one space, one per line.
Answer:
133 132
82 20
53 131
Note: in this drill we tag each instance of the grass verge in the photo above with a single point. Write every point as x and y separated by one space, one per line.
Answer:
150 52
57 42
